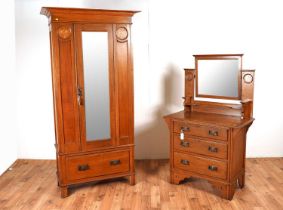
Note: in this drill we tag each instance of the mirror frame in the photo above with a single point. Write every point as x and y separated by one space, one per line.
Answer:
219 57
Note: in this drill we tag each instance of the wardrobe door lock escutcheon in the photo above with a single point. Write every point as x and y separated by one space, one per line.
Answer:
79 95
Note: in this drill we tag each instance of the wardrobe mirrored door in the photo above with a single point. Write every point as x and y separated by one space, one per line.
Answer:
95 84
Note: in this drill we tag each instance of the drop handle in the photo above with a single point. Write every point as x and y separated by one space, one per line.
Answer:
212 149
212 168
185 129
115 162
83 167
185 144
182 134
212 133
185 162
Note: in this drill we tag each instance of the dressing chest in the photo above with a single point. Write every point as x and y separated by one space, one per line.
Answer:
208 137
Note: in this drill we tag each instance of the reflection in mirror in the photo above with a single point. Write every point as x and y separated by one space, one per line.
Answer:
218 77
96 85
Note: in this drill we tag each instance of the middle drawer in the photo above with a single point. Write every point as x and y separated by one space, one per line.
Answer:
209 148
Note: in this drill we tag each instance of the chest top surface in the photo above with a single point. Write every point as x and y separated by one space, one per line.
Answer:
209 119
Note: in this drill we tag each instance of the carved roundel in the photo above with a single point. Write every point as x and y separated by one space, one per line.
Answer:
189 76
122 33
248 78
65 32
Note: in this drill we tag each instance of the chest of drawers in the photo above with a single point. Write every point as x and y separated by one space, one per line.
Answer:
208 146
208 138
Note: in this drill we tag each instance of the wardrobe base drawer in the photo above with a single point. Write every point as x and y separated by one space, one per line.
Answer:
200 165
86 166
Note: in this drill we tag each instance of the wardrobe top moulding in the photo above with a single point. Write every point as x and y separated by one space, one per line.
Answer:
56 14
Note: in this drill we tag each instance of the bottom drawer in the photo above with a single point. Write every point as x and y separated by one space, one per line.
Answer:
85 166
200 165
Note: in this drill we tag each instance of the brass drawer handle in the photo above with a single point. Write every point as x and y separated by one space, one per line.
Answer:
185 162
83 167
185 144
212 168
185 129
115 162
213 133
212 149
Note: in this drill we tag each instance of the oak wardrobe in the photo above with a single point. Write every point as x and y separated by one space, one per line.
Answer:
92 76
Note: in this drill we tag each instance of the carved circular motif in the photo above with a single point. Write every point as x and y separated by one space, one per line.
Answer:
65 32
189 76
122 33
248 78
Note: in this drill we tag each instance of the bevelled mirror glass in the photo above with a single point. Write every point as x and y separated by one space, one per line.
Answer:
218 76
96 85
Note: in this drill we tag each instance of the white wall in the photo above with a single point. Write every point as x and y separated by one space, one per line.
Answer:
8 122
165 35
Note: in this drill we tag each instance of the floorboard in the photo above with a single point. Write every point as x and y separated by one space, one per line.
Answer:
32 185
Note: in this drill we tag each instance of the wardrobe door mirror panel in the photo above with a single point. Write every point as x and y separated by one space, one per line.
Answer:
218 77
96 95
96 85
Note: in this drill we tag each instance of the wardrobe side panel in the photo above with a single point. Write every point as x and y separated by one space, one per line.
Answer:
124 83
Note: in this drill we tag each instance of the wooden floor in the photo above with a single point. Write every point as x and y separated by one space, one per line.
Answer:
32 185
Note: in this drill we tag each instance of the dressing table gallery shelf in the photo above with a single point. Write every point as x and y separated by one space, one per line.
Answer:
208 139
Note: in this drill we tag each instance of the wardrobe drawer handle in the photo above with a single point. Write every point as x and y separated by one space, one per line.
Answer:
185 144
115 162
185 162
212 149
213 133
83 167
212 168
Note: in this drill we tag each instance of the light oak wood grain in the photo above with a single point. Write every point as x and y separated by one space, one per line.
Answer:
196 131
74 165
32 185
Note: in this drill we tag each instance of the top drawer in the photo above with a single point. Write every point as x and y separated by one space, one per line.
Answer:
200 130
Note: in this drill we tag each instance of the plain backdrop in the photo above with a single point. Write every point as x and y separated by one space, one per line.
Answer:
8 86
165 36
